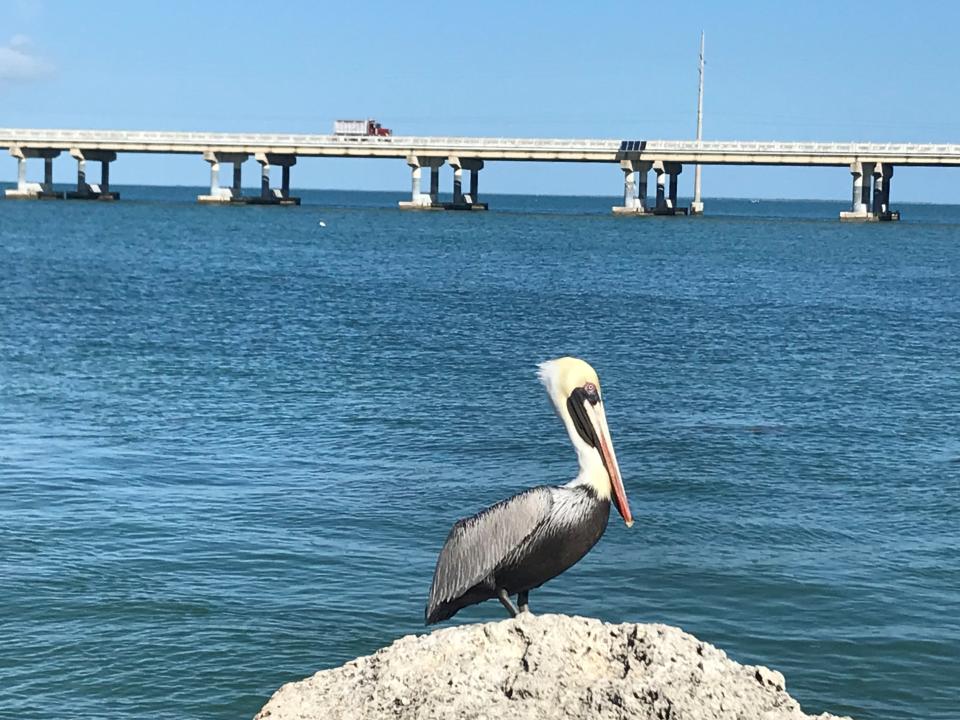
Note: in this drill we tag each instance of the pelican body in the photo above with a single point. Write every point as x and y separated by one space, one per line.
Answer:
520 543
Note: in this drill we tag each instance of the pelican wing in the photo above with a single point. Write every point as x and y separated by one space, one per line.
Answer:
478 544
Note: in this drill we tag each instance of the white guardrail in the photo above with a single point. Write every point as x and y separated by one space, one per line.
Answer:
144 141
124 137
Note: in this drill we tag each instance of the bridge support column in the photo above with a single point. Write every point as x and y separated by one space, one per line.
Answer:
237 188
629 187
457 180
876 207
418 199
866 170
415 197
461 200
86 191
667 181
860 199
264 176
32 190
221 194
867 176
47 174
285 162
661 202
274 196
882 175
859 207
471 200
634 188
674 169
642 198
474 184
435 184
214 177
22 174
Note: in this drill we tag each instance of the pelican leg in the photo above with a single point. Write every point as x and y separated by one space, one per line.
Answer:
507 602
522 601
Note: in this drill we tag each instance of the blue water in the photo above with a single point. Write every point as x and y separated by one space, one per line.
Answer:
232 440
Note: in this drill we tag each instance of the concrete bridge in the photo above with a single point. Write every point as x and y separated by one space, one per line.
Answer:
871 164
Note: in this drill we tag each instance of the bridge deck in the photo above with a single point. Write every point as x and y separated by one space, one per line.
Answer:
530 149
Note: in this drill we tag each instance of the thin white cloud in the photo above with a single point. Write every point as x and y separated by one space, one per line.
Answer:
20 63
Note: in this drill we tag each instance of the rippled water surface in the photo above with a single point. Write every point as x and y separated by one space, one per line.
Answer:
233 440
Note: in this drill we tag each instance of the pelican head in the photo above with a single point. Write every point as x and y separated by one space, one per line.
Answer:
574 389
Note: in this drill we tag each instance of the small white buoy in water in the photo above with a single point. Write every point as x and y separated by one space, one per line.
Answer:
322 224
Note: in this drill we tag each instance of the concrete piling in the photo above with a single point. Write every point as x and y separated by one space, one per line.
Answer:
870 197
435 182
415 196
474 184
635 174
269 195
457 181
629 188
238 178
418 199
674 177
471 201
26 190
461 201
234 194
88 191
264 179
660 170
642 173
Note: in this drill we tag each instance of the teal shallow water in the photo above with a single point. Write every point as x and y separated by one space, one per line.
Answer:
232 441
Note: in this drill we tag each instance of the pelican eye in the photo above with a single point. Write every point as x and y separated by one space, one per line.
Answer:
591 393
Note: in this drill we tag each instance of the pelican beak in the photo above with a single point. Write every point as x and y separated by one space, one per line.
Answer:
601 440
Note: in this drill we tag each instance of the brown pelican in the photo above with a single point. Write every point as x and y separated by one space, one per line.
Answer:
518 544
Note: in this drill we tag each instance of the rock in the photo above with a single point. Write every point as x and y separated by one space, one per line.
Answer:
537 668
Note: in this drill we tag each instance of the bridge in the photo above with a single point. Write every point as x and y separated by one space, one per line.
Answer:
870 164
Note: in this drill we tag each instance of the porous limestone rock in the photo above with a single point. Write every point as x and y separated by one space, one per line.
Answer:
538 668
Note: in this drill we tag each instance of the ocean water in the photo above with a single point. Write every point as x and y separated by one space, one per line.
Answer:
233 440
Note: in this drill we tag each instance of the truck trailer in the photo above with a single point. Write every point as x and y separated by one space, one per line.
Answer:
361 128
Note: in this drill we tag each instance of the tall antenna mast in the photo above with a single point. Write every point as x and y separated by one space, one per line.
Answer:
697 206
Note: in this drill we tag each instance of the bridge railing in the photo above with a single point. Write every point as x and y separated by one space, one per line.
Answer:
806 148
147 138
208 138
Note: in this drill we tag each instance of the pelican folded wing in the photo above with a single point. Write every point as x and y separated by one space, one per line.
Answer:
478 545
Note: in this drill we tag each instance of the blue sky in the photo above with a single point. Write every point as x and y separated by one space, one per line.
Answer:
880 71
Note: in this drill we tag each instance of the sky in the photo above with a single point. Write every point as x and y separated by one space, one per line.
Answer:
817 70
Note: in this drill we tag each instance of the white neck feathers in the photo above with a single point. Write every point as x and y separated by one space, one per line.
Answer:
554 375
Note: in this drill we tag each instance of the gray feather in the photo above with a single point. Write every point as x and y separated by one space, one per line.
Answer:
477 545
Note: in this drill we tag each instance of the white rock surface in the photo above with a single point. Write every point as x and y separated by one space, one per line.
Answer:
538 668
